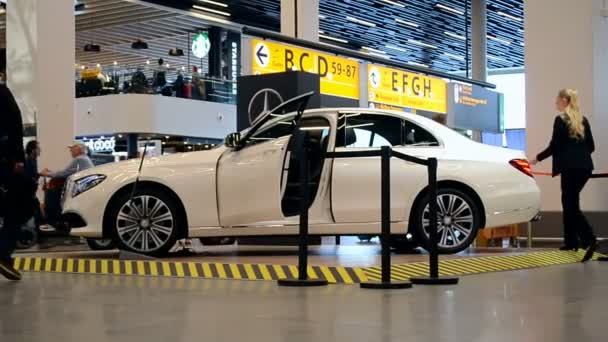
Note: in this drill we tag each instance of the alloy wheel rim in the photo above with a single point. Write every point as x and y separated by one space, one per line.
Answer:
455 220
145 224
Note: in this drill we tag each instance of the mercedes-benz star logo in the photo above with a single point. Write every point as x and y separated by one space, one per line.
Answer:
261 102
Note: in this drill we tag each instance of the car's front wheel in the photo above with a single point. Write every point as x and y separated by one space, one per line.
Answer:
147 224
459 220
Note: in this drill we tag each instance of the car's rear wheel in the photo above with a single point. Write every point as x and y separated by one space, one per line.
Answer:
148 224
459 220
101 244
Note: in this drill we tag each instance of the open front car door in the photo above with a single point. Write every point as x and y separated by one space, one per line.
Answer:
249 180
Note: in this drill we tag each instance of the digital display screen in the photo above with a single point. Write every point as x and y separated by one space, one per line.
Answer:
475 108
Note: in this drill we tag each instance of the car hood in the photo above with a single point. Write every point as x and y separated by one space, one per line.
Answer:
169 161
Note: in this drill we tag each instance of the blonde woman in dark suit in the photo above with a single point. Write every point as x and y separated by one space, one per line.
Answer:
571 147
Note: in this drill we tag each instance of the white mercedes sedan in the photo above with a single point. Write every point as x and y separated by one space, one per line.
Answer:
249 186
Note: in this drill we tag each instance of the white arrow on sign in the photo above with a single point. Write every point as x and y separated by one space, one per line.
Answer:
262 55
374 77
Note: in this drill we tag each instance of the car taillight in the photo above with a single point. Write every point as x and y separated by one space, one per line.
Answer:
523 166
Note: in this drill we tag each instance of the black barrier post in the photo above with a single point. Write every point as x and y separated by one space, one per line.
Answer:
301 148
434 278
385 179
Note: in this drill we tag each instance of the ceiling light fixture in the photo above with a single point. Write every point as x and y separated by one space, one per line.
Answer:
454 56
339 40
148 62
408 23
220 4
368 49
139 45
497 59
415 42
211 10
92 48
393 3
321 16
115 63
393 47
418 64
507 15
176 52
500 40
381 55
359 21
454 35
449 9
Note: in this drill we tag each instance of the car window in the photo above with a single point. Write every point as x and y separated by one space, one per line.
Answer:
279 127
369 130
415 135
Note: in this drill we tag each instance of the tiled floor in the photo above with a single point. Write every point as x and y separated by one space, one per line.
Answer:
561 303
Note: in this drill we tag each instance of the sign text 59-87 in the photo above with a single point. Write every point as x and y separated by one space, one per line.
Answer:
339 76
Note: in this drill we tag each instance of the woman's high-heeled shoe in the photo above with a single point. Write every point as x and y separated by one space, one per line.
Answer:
590 251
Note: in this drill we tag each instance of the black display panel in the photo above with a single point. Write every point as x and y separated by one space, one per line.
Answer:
258 93
475 108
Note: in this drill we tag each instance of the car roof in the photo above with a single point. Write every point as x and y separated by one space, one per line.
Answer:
445 132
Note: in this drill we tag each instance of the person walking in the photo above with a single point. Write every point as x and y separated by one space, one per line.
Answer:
571 147
15 196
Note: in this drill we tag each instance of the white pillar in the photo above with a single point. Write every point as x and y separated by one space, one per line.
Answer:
571 55
300 19
40 40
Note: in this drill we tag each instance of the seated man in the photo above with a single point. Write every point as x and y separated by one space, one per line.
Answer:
80 161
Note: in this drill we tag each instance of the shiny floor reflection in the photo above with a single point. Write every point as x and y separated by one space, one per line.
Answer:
562 303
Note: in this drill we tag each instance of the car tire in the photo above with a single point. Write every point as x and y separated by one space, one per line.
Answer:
459 221
101 244
148 225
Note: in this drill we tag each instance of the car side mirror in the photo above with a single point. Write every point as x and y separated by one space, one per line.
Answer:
233 140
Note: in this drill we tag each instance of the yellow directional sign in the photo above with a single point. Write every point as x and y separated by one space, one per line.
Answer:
339 76
406 89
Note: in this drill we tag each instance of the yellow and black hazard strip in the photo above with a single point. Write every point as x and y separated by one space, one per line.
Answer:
343 275
346 275
477 265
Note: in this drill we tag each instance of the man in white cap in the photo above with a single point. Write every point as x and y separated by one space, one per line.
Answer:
80 161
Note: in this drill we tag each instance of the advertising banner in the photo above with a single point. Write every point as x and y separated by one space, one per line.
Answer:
339 76
400 88
474 107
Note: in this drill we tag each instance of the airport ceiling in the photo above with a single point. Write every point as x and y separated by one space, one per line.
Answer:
426 32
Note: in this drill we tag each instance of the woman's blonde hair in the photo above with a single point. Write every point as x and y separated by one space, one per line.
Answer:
572 115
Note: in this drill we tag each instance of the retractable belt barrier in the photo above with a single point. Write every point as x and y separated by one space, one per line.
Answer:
301 144
595 175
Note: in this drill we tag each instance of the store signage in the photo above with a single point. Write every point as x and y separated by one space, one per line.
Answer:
201 45
406 89
234 62
100 145
474 107
339 76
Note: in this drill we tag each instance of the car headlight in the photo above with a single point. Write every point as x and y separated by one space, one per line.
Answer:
86 183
